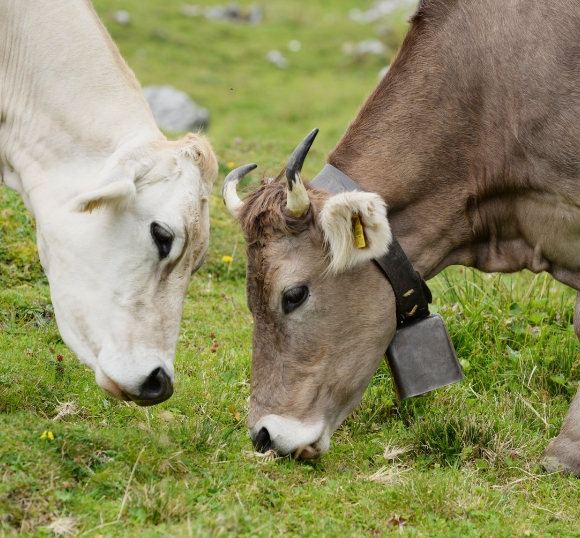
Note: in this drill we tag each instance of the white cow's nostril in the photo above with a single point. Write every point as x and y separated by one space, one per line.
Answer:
156 389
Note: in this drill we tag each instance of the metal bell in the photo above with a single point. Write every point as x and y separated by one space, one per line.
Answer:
421 358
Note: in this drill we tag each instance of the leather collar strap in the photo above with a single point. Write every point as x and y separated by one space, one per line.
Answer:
412 294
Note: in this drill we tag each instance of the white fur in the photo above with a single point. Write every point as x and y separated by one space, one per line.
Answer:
77 133
118 194
289 435
336 221
115 184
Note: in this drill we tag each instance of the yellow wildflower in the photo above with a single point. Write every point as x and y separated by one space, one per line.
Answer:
227 259
47 434
231 164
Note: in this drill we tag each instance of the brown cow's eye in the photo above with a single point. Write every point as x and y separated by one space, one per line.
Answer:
293 298
163 239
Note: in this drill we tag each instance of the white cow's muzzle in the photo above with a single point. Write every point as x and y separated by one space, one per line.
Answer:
146 382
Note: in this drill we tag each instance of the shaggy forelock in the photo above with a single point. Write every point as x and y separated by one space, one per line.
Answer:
264 215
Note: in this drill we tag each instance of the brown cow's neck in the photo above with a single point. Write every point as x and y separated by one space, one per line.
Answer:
400 146
453 140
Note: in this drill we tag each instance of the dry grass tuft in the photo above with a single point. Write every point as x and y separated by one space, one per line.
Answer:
266 457
393 452
66 408
63 526
388 475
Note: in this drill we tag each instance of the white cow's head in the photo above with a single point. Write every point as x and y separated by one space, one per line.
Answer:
119 259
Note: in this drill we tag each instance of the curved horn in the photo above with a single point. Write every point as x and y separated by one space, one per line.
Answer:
229 193
298 202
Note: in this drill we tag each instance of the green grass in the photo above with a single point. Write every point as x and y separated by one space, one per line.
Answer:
186 468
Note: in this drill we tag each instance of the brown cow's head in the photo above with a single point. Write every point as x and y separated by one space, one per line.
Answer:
323 313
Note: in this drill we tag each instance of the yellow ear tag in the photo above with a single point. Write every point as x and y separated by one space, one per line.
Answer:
91 206
359 236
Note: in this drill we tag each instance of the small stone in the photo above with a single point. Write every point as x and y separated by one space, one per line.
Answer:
370 46
231 12
122 17
255 15
294 45
215 13
275 57
379 10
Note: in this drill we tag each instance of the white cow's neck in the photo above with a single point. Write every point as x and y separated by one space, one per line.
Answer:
61 119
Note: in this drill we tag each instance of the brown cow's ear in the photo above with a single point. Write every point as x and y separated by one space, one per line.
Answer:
342 217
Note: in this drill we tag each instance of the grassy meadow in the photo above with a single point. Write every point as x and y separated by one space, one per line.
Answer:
460 462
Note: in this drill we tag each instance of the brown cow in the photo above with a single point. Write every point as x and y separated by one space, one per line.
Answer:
473 142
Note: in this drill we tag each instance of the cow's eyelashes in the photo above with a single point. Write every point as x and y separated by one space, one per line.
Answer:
293 298
163 239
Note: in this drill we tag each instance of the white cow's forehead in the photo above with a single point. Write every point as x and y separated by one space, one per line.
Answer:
176 197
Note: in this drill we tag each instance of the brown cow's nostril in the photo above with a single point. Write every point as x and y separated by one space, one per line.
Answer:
262 441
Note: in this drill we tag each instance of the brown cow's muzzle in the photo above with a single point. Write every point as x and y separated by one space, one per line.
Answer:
262 443
290 437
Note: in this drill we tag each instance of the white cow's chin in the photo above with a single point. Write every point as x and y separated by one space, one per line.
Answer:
109 386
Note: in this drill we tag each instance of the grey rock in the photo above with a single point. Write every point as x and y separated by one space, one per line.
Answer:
255 15
174 110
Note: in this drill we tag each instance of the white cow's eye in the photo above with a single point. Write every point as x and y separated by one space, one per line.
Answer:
293 298
163 239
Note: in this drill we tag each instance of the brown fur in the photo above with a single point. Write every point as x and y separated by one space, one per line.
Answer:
265 219
473 141
264 216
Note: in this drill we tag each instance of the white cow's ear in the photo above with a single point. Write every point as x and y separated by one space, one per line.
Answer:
119 194
355 228
115 186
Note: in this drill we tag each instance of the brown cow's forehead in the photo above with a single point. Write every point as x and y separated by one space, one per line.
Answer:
271 234
285 261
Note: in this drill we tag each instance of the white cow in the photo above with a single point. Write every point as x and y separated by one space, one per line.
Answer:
121 213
